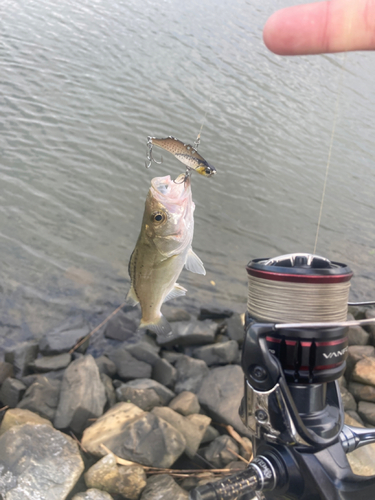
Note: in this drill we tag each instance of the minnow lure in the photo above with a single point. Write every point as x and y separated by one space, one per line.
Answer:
186 153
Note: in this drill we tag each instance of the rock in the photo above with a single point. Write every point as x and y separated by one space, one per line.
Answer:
210 434
356 312
93 494
237 465
217 354
190 374
235 327
367 412
108 428
220 396
57 342
82 395
191 333
192 434
348 400
35 377
176 314
185 403
214 313
106 366
146 399
50 363
42 397
202 422
357 336
164 372
38 462
369 314
144 351
362 392
121 327
21 356
116 479
218 454
362 460
18 416
354 415
163 487
364 371
6 371
172 356
109 389
128 367
355 354
11 392
163 392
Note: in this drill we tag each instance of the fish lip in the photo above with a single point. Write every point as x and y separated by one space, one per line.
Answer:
174 191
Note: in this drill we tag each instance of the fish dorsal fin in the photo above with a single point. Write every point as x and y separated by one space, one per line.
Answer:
132 298
177 291
194 264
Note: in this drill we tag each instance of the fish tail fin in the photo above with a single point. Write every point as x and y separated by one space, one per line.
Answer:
160 326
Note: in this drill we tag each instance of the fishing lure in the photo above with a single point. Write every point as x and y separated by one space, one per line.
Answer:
185 153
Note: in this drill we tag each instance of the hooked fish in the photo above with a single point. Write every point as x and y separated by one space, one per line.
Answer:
186 153
162 250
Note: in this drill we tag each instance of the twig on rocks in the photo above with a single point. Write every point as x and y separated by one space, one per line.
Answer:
77 441
82 341
237 455
4 408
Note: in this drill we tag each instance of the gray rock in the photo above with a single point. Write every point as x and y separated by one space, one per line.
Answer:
354 415
357 336
369 314
185 403
121 327
362 392
218 454
116 479
367 412
17 416
210 312
364 371
11 392
106 366
57 342
6 370
51 363
42 397
218 354
220 396
171 356
348 400
202 422
35 377
362 460
163 487
128 367
38 462
109 389
21 356
82 395
176 314
165 373
190 374
210 434
163 392
191 333
355 354
144 351
93 494
146 399
235 328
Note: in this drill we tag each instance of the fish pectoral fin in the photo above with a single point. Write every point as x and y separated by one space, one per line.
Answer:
194 264
160 326
132 298
177 291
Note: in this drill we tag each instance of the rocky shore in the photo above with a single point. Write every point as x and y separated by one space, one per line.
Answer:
123 417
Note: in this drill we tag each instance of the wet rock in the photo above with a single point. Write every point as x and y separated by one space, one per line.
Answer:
362 392
218 452
109 389
58 342
355 354
235 328
93 494
11 392
121 327
128 367
18 416
348 400
6 371
214 313
21 356
220 395
163 392
50 363
185 403
163 487
82 395
176 314
42 397
364 371
217 354
116 479
187 333
164 372
146 399
210 434
144 351
367 412
36 461
106 366
190 374
362 460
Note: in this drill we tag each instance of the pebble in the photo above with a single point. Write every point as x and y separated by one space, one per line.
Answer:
185 403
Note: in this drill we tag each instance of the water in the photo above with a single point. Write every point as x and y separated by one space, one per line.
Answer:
84 82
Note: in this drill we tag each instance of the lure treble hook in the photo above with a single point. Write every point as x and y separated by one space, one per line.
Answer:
150 158
183 177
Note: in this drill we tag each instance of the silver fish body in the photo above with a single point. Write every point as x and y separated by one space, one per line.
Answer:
162 250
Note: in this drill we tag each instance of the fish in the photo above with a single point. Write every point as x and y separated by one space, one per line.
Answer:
163 249
186 153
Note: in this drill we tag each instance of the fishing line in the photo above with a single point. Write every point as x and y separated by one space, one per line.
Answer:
198 139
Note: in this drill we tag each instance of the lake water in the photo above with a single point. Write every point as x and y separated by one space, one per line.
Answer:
82 85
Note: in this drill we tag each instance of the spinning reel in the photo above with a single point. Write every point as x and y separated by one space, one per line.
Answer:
293 355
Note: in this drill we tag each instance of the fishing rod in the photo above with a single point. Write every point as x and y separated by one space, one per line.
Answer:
294 352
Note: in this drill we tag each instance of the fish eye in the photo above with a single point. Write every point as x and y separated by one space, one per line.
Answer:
158 217
208 171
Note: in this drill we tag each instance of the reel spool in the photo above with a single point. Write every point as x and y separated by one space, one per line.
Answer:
300 288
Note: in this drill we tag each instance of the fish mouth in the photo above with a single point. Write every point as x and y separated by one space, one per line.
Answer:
166 188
